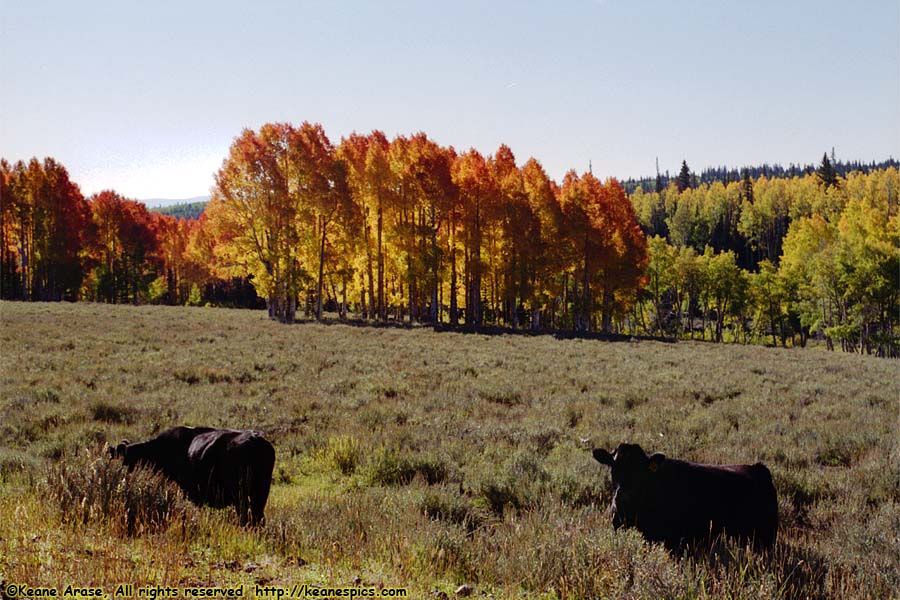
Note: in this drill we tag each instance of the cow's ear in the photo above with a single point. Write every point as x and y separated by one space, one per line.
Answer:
120 449
655 462
602 456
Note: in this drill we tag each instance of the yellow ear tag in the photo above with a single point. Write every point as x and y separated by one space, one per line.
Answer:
653 467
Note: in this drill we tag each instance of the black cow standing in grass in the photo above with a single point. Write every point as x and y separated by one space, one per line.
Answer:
214 467
679 503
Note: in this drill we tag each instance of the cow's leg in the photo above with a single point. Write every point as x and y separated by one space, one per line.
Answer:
763 537
259 495
244 493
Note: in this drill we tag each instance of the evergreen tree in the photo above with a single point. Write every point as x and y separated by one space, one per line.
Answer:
659 181
683 181
826 173
747 187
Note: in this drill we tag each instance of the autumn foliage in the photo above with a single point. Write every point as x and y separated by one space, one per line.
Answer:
409 230
404 229
58 245
45 226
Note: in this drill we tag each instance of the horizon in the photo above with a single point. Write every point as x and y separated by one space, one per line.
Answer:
147 102
169 202
153 203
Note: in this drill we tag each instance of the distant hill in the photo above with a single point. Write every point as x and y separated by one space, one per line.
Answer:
191 208
163 202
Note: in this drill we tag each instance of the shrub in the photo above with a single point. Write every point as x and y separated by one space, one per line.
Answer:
93 488
574 489
388 466
13 462
573 416
573 554
342 454
445 505
45 395
188 377
521 481
195 298
798 491
110 413
842 452
503 397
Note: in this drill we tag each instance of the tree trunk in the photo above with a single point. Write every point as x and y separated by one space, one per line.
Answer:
657 302
576 303
369 267
382 310
410 278
585 292
321 272
690 313
468 278
454 309
434 269
476 292
606 312
344 297
772 325
291 310
703 322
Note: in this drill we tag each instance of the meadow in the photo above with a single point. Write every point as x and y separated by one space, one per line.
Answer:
427 460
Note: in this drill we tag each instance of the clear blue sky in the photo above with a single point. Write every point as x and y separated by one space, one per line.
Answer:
146 97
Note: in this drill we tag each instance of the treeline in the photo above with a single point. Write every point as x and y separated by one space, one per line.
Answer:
409 230
728 175
185 210
55 244
401 229
777 259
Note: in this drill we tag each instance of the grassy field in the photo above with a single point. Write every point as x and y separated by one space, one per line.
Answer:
424 460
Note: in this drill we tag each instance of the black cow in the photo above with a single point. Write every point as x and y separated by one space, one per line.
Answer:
214 467
679 503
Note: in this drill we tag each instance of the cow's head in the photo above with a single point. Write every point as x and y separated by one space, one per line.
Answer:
120 450
632 474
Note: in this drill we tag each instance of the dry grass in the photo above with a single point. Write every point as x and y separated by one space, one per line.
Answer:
426 460
89 488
